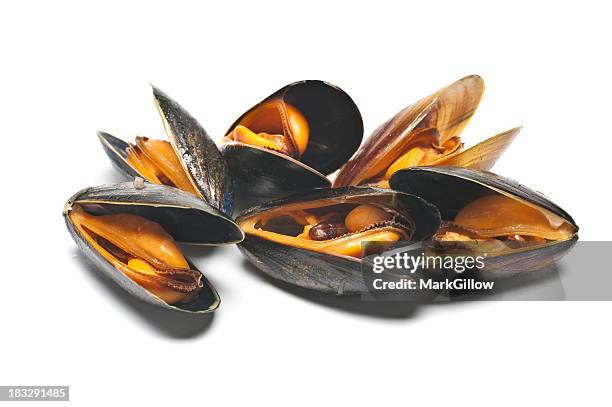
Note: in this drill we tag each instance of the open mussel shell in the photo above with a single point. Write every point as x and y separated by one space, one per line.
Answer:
446 111
452 188
197 152
185 217
330 273
336 131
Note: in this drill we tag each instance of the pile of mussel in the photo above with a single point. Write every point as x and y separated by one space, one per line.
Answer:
412 180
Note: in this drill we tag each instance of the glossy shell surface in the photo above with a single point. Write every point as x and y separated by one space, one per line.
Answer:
197 152
181 214
447 110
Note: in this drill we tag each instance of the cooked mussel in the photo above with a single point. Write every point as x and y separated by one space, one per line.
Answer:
129 230
426 133
314 240
189 161
288 142
486 213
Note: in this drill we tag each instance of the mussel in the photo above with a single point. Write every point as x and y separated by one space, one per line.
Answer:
314 240
517 228
189 161
288 142
426 133
128 231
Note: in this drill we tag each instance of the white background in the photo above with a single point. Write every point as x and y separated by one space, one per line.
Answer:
69 69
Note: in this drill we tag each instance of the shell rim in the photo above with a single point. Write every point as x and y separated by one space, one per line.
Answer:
307 168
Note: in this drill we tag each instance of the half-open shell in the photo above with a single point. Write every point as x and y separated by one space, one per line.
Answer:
310 266
196 151
521 228
335 131
426 133
182 215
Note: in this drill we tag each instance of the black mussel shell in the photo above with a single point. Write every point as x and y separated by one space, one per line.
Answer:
452 188
336 131
325 272
261 175
197 152
185 217
115 149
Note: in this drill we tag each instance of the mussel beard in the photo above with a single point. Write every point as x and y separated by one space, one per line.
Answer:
498 223
335 229
158 163
143 251
274 125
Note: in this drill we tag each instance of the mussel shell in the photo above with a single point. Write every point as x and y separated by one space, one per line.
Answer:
452 188
325 272
336 131
197 152
260 175
336 126
447 110
195 149
115 149
183 215
305 268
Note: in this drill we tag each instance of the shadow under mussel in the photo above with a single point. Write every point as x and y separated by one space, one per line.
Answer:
517 229
128 231
426 133
189 160
291 140
317 240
